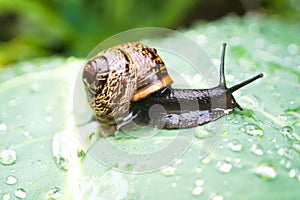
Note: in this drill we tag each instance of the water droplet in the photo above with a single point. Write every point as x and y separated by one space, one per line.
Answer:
273 140
280 151
3 128
48 118
252 129
286 163
225 140
27 134
199 182
218 197
198 170
61 152
286 131
174 185
20 193
293 173
228 159
257 149
296 146
266 171
8 157
235 145
224 166
11 180
168 171
248 101
201 133
197 190
282 117
54 193
285 151
6 196
237 163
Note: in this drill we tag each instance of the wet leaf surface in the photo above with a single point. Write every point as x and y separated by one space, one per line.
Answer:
256 155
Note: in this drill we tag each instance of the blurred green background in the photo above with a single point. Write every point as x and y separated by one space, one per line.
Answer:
34 28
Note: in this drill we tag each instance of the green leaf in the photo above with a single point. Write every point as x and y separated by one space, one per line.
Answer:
256 156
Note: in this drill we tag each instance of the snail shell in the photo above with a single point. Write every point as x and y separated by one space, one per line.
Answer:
119 75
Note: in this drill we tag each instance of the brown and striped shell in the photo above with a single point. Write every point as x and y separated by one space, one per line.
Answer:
121 74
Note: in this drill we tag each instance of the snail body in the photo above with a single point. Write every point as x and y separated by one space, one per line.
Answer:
126 82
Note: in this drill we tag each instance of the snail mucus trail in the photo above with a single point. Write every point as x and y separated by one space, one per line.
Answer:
130 82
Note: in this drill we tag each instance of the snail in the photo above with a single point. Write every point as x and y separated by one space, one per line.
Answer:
125 82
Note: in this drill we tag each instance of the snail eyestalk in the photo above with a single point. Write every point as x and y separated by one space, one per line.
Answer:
242 84
222 71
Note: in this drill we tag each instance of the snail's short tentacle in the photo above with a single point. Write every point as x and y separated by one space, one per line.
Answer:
242 84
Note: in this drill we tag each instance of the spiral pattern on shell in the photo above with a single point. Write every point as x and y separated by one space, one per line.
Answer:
119 75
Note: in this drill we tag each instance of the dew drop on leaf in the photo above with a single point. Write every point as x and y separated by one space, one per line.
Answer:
257 149
8 157
224 166
48 118
249 101
282 117
197 190
27 134
20 193
237 163
11 180
293 173
54 193
5 196
61 152
235 145
201 133
3 128
286 131
296 146
286 163
252 129
266 171
217 197
198 170
168 171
